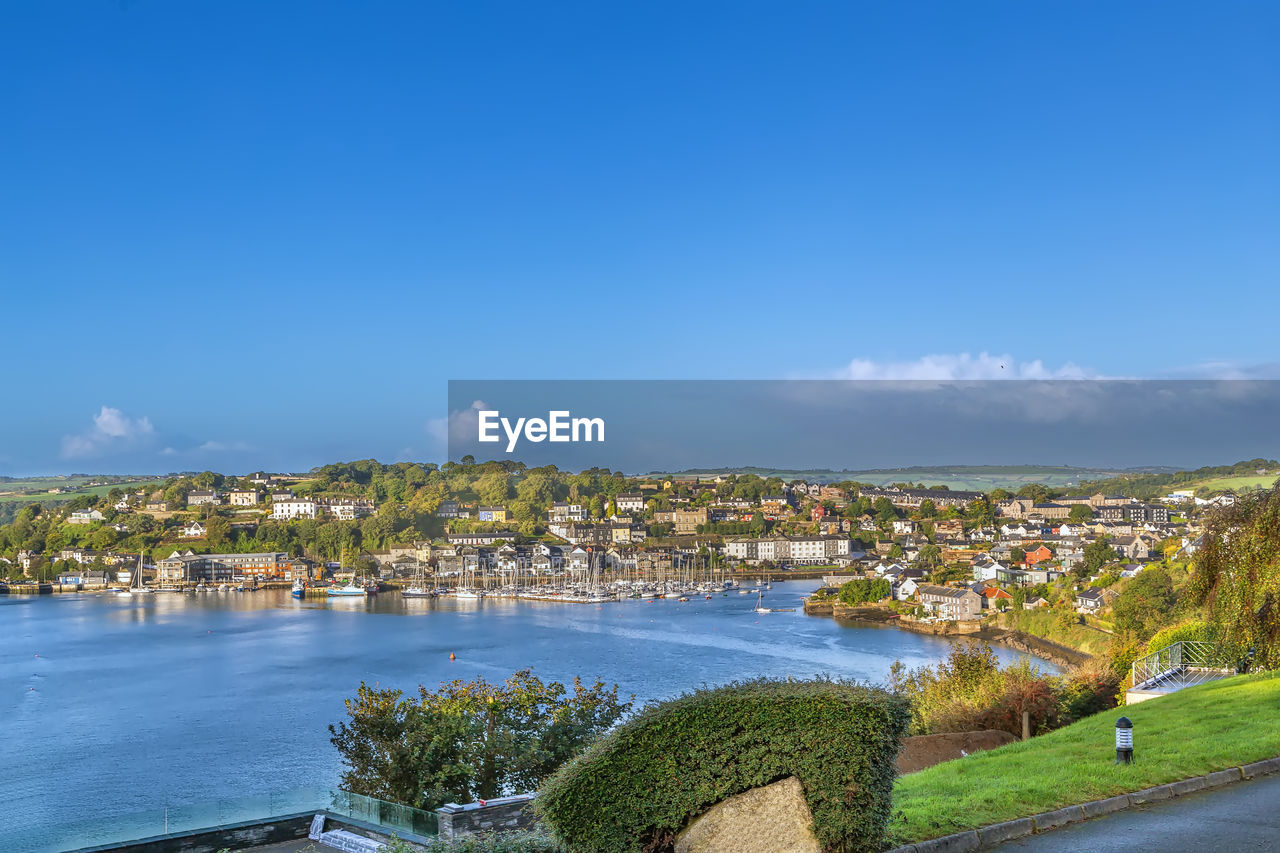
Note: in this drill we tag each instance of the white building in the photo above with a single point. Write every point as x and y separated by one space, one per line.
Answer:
630 502
293 508
85 516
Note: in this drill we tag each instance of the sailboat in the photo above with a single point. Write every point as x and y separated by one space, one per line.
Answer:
469 592
165 588
135 586
418 589
760 608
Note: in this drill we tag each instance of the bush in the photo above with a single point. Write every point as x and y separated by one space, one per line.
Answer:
970 692
864 590
640 785
468 740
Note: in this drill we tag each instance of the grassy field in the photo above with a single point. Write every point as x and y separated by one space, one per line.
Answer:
7 491
1196 731
1235 484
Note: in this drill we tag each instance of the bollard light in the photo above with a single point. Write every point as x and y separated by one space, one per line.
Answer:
1124 741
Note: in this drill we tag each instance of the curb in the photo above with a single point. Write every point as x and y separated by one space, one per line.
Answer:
986 837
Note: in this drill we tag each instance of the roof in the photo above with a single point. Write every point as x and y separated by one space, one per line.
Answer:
944 591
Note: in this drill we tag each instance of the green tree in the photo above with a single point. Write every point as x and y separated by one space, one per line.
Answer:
864 590
1236 575
1080 513
1096 555
468 740
1146 603
1034 491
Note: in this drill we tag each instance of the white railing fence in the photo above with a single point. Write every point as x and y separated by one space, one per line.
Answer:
1183 663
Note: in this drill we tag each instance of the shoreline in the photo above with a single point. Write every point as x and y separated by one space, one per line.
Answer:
1055 653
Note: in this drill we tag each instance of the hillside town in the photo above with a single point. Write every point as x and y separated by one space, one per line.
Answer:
947 555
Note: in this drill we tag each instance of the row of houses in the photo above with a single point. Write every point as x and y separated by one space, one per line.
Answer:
791 550
287 507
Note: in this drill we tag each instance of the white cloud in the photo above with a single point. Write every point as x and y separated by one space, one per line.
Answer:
112 430
460 426
225 447
957 367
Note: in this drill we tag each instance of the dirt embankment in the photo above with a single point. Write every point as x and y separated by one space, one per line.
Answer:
924 751
1021 641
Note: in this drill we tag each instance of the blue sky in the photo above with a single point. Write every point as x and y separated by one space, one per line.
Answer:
239 235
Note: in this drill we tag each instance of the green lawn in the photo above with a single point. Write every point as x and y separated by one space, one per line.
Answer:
1196 731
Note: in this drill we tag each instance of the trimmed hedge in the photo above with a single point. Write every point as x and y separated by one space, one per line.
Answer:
637 787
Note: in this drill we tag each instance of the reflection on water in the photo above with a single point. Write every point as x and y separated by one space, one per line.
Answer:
117 705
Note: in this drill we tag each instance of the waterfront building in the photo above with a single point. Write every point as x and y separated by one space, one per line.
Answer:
224 568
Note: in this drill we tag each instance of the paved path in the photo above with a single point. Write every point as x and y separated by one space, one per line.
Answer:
1242 816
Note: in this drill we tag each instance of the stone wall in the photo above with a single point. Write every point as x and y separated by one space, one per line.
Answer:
234 837
506 813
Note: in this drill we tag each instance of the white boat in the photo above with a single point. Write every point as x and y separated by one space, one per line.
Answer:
418 589
468 594
135 586
760 608
351 589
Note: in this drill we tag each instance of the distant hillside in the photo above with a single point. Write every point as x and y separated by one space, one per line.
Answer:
1240 477
964 477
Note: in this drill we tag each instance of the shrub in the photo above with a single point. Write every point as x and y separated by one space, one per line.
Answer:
864 590
969 691
640 785
468 740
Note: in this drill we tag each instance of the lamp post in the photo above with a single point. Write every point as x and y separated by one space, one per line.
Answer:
1124 741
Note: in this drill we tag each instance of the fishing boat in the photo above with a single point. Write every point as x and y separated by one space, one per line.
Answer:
299 588
350 589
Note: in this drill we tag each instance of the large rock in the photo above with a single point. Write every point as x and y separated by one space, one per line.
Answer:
772 819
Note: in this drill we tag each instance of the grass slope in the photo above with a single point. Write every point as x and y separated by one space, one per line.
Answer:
1042 623
1196 731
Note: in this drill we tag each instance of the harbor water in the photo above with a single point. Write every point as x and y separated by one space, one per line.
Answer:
161 704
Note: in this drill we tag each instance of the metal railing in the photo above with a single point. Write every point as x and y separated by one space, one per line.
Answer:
1182 664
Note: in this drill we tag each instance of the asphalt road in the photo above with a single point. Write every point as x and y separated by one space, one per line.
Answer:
1243 816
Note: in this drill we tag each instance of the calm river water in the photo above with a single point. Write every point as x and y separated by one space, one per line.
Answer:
161 706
